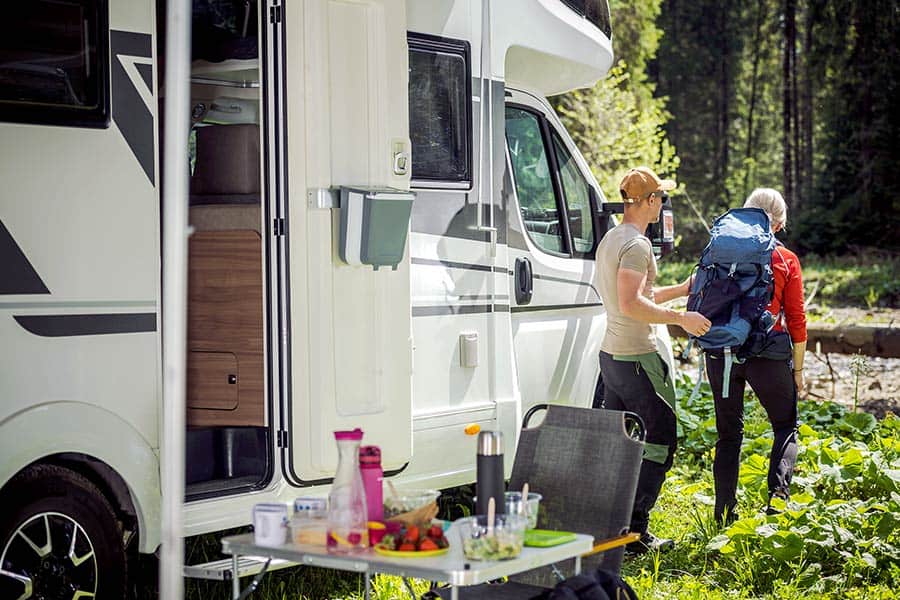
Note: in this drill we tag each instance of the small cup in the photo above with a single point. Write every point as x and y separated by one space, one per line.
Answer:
377 531
269 523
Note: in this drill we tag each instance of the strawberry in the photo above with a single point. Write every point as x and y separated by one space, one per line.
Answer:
436 532
412 534
427 544
407 547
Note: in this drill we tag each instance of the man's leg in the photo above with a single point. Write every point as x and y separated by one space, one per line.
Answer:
773 382
730 430
628 385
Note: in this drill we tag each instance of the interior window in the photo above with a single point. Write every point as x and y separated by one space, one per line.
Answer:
577 197
534 182
439 110
53 62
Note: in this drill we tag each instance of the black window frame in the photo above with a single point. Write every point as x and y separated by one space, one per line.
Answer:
590 253
36 113
422 42
553 165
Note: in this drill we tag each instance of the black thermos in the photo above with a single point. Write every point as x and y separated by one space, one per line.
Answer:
489 473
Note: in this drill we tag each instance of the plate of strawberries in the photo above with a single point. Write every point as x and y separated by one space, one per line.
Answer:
414 541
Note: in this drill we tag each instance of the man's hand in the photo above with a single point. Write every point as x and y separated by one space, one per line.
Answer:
694 323
798 379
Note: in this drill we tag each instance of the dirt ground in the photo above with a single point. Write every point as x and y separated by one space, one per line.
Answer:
834 376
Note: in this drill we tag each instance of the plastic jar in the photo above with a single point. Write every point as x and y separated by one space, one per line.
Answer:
309 525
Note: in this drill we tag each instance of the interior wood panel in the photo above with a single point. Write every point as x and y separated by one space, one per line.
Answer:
212 379
225 306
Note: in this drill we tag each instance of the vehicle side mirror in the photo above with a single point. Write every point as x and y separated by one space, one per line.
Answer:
662 233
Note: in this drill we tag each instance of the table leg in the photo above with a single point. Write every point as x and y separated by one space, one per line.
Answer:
235 579
367 585
409 588
578 565
454 592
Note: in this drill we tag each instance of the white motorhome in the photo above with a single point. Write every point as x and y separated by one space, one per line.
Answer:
487 308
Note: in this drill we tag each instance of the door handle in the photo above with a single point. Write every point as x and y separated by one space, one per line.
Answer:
524 281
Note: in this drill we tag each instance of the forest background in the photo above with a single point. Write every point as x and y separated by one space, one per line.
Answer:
726 96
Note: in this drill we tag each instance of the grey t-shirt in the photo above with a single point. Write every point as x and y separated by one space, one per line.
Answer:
624 247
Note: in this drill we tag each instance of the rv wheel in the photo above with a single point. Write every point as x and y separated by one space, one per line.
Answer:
59 538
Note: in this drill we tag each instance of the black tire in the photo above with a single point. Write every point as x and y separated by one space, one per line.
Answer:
81 524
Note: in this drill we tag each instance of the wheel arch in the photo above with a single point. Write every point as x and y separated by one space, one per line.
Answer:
95 443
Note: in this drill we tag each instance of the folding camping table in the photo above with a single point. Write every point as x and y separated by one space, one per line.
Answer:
452 567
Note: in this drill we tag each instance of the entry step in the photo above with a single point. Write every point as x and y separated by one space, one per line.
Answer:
222 570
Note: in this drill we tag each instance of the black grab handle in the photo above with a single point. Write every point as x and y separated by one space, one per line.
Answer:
524 281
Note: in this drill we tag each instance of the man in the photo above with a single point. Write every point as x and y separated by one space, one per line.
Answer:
635 376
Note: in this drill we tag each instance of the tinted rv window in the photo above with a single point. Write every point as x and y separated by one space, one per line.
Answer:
578 203
439 109
53 62
533 179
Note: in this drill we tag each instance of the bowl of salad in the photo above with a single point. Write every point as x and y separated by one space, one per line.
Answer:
503 541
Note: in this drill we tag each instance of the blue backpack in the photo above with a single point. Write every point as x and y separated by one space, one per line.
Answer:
733 284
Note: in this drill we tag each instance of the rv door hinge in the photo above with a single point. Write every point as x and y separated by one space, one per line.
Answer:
279 226
275 14
282 438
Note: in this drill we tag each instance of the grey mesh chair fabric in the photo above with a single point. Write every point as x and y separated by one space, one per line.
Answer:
585 463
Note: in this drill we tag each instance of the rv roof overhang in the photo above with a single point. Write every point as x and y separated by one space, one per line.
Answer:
545 46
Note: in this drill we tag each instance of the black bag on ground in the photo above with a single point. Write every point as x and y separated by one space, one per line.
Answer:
599 585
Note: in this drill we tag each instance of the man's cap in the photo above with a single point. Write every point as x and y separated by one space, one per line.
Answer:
640 182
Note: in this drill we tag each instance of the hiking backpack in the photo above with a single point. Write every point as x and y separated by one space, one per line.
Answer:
733 285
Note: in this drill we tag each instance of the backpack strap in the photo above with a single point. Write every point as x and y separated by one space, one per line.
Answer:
726 374
696 389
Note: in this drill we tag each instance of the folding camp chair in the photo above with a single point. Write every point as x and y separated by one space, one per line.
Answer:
585 463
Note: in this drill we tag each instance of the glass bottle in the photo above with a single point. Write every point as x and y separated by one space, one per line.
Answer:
347 527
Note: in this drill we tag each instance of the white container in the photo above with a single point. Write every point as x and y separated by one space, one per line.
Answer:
270 522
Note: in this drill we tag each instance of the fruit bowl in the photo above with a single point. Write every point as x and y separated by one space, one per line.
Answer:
414 541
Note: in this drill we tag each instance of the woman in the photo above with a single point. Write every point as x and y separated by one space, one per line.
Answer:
776 382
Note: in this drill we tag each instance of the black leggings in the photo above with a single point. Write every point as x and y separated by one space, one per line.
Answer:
773 382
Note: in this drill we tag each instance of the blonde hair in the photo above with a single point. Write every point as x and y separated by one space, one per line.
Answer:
772 202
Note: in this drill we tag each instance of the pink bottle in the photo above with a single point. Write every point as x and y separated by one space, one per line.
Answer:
372 476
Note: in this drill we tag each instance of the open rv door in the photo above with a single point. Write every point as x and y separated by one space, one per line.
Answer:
338 106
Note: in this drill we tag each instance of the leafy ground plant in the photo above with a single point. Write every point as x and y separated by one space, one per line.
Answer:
836 538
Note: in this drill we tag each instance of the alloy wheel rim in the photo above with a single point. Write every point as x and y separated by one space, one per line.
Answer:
49 557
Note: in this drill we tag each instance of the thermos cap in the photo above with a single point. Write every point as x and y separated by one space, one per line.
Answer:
369 456
490 443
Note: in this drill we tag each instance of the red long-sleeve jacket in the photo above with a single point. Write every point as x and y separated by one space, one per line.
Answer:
788 293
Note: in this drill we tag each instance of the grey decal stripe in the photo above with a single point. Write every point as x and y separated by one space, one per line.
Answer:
529 308
570 281
17 276
450 264
75 325
146 72
130 114
459 309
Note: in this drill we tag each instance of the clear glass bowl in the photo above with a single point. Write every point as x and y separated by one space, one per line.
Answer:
532 504
504 542
514 506
407 500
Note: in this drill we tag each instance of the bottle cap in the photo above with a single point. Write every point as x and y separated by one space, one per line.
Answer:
490 443
369 456
355 435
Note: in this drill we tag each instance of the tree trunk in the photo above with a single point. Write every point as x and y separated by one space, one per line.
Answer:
812 16
788 101
757 52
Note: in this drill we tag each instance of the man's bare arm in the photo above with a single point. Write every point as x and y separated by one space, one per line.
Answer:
638 307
